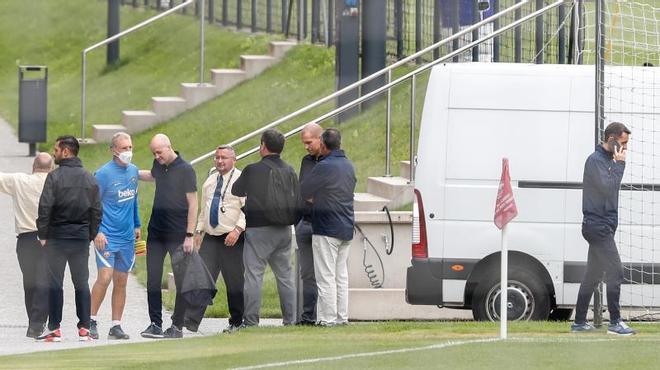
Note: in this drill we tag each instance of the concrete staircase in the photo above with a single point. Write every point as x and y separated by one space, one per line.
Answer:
193 94
393 192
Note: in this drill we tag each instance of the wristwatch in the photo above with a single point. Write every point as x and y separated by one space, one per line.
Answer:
189 235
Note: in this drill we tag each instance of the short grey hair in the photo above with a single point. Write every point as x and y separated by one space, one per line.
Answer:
227 147
117 136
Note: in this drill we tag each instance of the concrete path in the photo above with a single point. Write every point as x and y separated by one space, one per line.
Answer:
13 319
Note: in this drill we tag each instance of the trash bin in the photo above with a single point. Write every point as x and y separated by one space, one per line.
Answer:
32 105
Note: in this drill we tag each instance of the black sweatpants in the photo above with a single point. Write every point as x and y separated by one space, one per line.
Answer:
59 252
32 261
604 258
158 245
310 291
229 260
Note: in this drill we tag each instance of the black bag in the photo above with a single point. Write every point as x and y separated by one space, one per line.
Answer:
284 204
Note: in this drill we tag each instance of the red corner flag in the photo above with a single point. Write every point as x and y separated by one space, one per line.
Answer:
505 205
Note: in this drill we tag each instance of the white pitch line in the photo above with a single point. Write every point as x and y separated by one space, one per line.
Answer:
366 354
439 346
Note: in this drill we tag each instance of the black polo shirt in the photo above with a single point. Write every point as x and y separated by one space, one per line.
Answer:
170 210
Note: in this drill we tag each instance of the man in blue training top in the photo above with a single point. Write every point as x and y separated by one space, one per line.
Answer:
120 227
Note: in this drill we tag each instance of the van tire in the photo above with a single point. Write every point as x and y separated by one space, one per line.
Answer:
527 293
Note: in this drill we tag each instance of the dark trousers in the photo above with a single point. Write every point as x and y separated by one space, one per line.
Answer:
158 245
603 258
306 264
229 260
59 252
32 261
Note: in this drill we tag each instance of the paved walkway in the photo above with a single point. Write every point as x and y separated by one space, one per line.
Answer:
13 319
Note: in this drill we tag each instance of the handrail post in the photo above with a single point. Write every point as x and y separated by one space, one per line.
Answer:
201 42
83 110
388 128
412 127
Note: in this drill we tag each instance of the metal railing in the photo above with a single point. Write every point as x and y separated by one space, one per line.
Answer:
389 84
83 98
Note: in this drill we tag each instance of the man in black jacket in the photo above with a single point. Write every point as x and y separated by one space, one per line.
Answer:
266 241
603 172
69 218
311 139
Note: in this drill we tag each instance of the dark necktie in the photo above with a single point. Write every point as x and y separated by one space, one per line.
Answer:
215 203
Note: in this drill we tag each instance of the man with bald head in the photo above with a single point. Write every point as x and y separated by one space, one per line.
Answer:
172 224
311 139
25 190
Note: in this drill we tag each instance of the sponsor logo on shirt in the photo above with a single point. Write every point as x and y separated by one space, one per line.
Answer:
125 195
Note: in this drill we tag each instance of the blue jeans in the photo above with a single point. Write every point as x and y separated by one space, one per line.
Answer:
603 258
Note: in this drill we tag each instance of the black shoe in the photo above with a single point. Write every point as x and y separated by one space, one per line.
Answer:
305 323
233 328
35 331
93 331
173 333
117 333
152 331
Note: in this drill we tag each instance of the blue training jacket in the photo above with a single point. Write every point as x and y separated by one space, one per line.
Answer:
600 193
331 184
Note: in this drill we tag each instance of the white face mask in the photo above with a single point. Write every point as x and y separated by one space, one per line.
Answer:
125 157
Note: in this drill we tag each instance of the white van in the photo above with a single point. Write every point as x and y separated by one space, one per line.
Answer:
541 117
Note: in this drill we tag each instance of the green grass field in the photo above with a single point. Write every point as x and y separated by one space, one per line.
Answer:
391 345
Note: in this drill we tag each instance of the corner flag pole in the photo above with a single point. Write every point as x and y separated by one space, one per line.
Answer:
504 283
505 211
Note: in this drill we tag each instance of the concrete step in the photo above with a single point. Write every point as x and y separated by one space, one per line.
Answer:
138 120
255 64
225 79
167 107
404 169
364 202
103 133
397 189
196 94
278 49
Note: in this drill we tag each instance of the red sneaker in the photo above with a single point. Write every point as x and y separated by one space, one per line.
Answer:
83 335
51 336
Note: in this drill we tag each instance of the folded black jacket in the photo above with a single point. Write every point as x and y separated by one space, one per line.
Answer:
197 284
70 204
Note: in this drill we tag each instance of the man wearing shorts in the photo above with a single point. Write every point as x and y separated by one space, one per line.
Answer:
120 227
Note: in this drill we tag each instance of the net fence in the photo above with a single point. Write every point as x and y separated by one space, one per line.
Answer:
627 56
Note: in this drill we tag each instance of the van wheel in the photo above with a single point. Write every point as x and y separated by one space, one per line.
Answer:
528 298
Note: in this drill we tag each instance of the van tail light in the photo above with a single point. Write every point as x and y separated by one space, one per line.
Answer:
419 245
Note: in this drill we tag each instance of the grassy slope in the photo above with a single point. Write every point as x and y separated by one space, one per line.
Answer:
154 60
533 345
